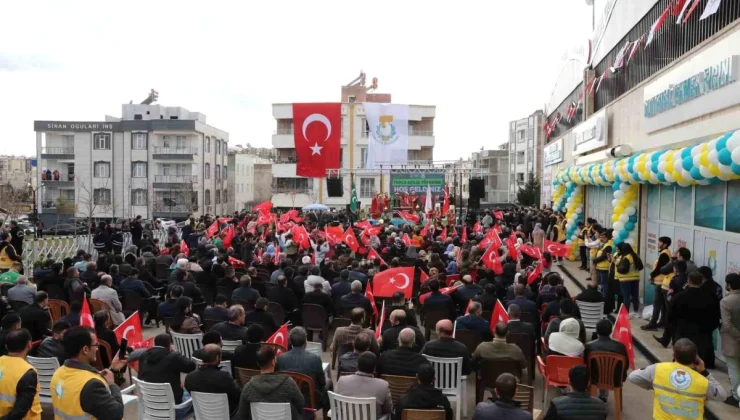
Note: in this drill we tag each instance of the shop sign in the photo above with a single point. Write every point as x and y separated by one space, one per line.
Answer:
553 152
591 134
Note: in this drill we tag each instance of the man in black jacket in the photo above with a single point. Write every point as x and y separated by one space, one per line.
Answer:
403 360
424 396
591 294
440 300
577 404
161 364
245 291
318 297
516 325
136 231
605 343
262 317
389 339
286 297
211 379
446 346
233 329
355 299
54 346
503 406
219 311
10 322
17 237
35 318
399 302
190 289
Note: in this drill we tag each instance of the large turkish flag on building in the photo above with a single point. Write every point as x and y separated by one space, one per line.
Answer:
317 132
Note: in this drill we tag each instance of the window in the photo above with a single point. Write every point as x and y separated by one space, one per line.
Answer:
207 172
218 171
710 206
363 157
520 177
225 172
208 145
138 170
138 141
520 136
101 196
218 147
101 141
224 148
101 170
138 198
367 186
208 197
225 195
218 196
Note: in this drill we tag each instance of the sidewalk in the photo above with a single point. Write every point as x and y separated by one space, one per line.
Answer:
654 352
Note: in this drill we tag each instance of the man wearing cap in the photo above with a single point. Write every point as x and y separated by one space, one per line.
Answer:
656 278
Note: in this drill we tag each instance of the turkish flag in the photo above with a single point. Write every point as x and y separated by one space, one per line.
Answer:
467 307
263 219
230 233
443 235
130 329
86 319
408 216
477 227
243 222
445 291
491 260
317 133
451 278
499 315
362 224
350 239
212 230
424 231
388 282
333 234
490 239
532 277
379 328
464 237
236 263
300 236
446 204
263 207
373 254
280 337
623 333
224 220
405 239
372 231
497 229
499 215
532 251
557 249
369 295
184 248
511 244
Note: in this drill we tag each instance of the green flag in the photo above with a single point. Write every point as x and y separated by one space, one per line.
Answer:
353 200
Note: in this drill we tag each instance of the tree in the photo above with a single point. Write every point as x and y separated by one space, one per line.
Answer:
88 207
15 201
62 205
529 193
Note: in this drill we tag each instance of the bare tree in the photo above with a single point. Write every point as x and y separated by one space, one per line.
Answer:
15 201
63 205
88 205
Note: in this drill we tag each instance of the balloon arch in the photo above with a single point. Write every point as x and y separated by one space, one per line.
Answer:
706 163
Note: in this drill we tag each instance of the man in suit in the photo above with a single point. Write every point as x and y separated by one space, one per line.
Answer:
525 305
211 379
301 361
106 293
318 297
219 311
389 339
283 295
346 335
35 318
605 343
440 300
516 325
262 317
233 329
132 283
190 289
403 360
474 322
355 299
446 346
347 362
498 349
364 384
244 291
467 291
166 309
342 287
488 298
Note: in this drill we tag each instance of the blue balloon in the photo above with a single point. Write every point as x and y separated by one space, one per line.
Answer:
696 174
735 168
656 156
624 234
617 240
714 180
654 166
722 142
687 163
633 218
661 178
630 226
725 157
615 186
686 152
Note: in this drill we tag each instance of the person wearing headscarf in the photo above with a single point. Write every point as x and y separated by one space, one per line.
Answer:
411 253
538 236
566 342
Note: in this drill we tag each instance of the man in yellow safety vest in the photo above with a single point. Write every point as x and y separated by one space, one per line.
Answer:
78 390
656 278
19 381
681 387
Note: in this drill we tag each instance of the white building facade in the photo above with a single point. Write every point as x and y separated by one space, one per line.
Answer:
245 183
526 139
155 161
494 166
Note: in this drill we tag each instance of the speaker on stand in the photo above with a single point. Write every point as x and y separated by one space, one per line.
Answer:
477 188
334 187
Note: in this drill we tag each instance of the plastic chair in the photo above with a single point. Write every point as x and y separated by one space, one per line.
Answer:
410 414
525 342
277 311
211 406
555 371
100 363
398 386
470 338
268 411
133 302
58 309
243 375
350 408
525 396
448 379
187 344
306 385
606 371
591 313
97 305
162 272
230 345
315 318
431 317
225 365
157 402
45 368
489 370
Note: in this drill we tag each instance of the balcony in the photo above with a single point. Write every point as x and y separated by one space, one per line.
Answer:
175 153
177 211
284 169
57 152
282 138
174 181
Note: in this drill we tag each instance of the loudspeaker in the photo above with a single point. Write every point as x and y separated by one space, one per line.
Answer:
473 202
334 187
477 188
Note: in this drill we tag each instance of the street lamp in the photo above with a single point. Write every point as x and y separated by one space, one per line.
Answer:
593 13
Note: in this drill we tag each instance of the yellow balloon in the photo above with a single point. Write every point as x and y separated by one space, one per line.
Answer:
714 170
619 209
704 159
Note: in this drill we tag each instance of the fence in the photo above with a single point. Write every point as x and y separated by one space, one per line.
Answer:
60 247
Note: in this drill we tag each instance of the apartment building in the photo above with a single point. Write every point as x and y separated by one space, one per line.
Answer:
289 190
526 141
16 171
250 179
494 166
154 161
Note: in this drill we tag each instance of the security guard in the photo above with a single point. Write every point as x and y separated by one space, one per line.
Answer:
681 387
627 273
660 296
7 252
19 382
603 260
78 391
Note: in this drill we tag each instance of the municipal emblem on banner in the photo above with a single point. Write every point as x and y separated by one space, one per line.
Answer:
385 131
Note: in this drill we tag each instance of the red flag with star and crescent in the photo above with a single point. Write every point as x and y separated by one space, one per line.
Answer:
530 250
491 238
491 260
499 315
184 248
280 337
317 133
499 215
532 277
301 237
229 237
212 230
557 249
369 295
477 227
464 236
406 239
372 231
86 319
350 239
263 207
623 333
511 245
445 291
446 203
443 235
362 224
130 329
379 329
388 282
373 254
424 231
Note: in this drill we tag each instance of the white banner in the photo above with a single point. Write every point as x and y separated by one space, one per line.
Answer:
712 7
388 138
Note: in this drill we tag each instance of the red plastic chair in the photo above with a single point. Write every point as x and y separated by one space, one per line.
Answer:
555 372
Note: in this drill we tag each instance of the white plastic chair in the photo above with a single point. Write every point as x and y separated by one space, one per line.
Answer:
448 379
187 344
156 401
313 347
270 411
212 406
591 314
230 345
225 365
351 408
45 368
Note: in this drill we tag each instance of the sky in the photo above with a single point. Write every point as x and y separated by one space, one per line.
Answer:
482 63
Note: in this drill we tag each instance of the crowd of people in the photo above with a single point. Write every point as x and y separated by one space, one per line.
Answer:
220 276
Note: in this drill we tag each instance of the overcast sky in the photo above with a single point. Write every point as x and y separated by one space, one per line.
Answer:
482 63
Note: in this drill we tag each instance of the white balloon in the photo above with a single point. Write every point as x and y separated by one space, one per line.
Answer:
703 182
695 151
736 156
618 226
713 158
630 241
630 211
686 175
724 169
663 157
683 184
697 161
669 178
712 145
615 203
574 237
624 186
618 194
654 178
661 167
568 242
733 142
624 218
579 210
704 171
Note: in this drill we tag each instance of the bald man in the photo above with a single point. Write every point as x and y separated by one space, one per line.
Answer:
446 346
402 361
210 378
473 321
389 339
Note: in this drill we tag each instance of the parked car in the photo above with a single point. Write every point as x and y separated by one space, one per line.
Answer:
66 229
166 223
